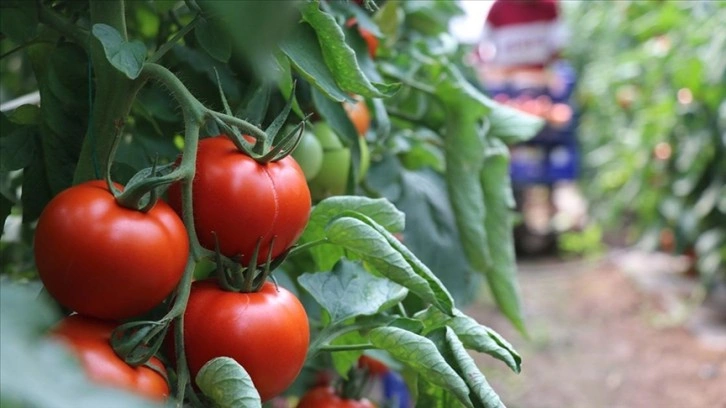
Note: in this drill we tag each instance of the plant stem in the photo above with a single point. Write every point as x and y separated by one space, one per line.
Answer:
346 347
65 26
115 93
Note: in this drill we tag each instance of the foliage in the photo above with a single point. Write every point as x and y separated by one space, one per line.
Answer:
654 122
120 87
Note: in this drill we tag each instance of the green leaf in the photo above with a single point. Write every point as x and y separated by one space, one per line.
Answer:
214 39
303 50
380 210
422 356
344 360
24 115
480 192
6 207
228 384
36 190
334 114
18 145
127 57
499 201
464 151
433 396
481 393
473 335
285 82
431 232
512 125
349 291
363 236
19 20
340 57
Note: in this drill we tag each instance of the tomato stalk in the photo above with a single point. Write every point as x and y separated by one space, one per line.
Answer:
114 95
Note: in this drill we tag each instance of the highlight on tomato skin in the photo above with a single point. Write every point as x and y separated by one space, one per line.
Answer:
89 339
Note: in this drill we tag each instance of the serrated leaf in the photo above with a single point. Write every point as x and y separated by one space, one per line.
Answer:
303 50
228 384
479 189
380 210
340 57
473 335
127 57
481 393
422 356
349 291
362 236
214 39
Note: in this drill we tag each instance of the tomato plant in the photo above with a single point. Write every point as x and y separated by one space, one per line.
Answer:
107 261
89 339
327 397
266 332
239 202
121 85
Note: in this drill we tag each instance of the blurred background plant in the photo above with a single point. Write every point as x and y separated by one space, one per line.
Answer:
653 124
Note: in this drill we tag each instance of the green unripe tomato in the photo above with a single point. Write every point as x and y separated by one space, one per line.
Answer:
332 179
327 137
309 155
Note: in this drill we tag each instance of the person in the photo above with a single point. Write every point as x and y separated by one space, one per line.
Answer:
519 62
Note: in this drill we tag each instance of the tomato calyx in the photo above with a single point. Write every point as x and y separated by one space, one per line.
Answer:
233 277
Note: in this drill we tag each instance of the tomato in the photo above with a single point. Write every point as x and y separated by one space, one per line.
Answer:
104 260
370 39
326 397
359 114
309 155
266 332
332 178
243 201
89 339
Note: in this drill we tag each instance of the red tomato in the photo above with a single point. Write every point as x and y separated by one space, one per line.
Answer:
266 332
242 201
370 39
326 397
359 115
107 261
89 338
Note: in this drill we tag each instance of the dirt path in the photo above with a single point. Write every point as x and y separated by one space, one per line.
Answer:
597 341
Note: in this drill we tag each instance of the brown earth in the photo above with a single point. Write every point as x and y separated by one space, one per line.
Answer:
601 336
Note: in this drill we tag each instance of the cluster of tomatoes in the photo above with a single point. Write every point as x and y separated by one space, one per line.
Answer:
110 264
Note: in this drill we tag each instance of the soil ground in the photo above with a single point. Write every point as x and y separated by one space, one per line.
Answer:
614 333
